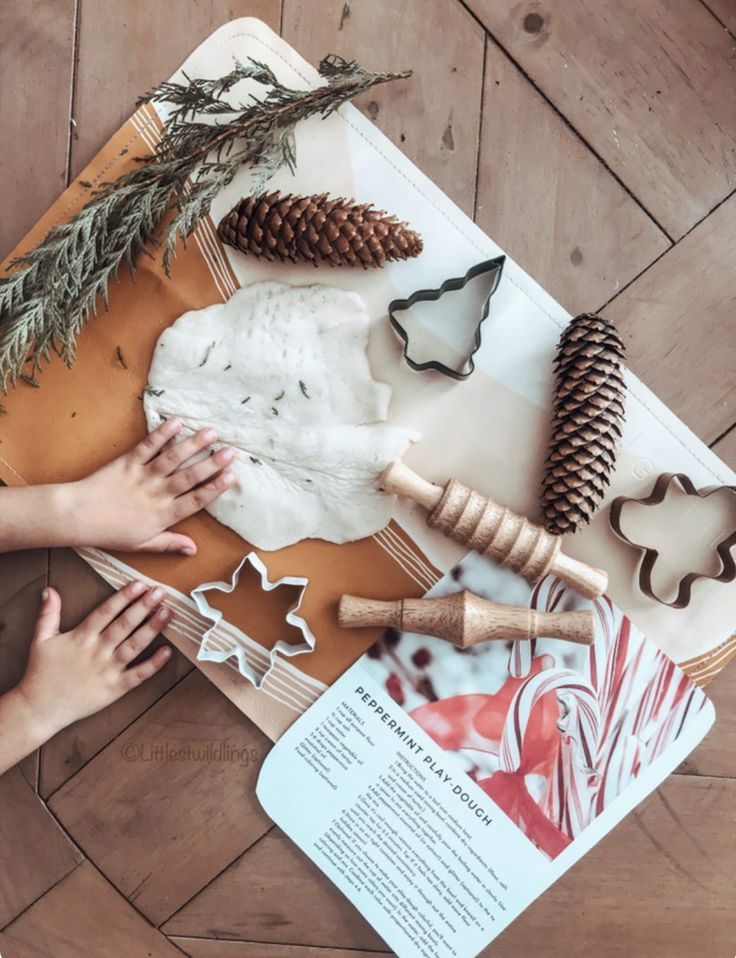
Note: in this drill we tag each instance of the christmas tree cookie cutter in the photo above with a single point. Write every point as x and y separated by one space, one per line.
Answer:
493 267
220 647
649 555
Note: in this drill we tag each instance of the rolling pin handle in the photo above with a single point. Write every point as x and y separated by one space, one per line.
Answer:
587 580
402 481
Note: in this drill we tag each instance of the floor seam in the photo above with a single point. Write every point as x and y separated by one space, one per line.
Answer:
715 16
558 112
72 91
675 243
47 798
41 896
480 126
214 878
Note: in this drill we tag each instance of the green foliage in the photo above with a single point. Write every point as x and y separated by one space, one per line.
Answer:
52 290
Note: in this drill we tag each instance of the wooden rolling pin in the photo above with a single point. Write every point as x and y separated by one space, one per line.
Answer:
484 525
465 619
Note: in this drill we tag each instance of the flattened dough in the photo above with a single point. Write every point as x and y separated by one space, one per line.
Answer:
282 373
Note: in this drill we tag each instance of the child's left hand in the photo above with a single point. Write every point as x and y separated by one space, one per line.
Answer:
73 674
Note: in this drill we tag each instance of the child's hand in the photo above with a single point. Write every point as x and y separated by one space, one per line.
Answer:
130 503
72 674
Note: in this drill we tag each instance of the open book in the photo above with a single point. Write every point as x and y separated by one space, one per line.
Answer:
443 790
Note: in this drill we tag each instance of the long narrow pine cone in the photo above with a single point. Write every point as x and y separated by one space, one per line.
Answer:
317 229
588 413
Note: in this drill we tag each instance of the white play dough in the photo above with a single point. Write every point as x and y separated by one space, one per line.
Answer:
282 373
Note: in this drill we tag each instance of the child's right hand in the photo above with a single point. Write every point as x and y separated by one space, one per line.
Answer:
72 674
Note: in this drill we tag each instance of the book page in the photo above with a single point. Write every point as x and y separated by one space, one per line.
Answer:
443 790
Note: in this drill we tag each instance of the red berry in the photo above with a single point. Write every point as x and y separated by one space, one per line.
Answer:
421 658
394 689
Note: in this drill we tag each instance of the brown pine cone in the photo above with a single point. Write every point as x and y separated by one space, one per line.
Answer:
586 423
317 229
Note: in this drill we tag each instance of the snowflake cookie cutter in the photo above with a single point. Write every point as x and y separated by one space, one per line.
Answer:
218 648
494 267
649 556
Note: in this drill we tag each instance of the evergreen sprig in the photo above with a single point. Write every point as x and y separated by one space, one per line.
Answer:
54 288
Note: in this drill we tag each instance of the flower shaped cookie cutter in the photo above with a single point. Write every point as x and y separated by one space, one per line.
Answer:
494 267
649 556
216 647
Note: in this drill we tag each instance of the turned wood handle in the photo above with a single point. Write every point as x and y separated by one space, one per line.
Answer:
466 619
492 529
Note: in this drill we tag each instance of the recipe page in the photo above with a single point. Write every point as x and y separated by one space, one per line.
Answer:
442 790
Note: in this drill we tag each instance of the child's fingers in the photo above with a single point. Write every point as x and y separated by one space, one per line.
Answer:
102 616
142 637
155 441
200 472
129 619
169 542
170 459
138 674
201 497
49 616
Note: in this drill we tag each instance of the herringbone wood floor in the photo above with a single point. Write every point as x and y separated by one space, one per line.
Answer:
596 143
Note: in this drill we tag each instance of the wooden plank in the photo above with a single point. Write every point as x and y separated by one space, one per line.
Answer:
565 220
725 10
160 822
272 894
214 948
36 67
22 577
660 885
716 754
34 852
726 448
84 916
152 39
82 590
677 321
433 117
648 85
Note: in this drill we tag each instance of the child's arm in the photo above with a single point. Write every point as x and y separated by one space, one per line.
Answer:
128 504
72 674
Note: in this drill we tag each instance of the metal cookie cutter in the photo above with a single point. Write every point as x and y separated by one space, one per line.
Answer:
219 648
492 266
727 572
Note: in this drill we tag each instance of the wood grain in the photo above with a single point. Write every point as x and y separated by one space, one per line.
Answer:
726 448
549 202
643 83
434 116
716 754
84 917
34 852
36 66
677 321
152 38
160 825
81 591
212 948
273 894
659 886
466 619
